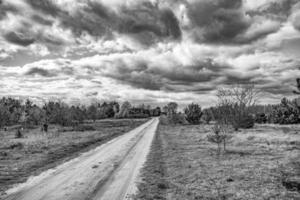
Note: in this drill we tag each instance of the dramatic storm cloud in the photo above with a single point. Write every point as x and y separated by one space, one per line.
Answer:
151 51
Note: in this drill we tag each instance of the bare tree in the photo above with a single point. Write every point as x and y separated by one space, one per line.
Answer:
232 110
234 103
219 136
244 95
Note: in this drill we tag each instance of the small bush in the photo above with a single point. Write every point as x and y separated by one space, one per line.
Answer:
164 120
18 134
220 135
177 118
261 118
245 122
17 145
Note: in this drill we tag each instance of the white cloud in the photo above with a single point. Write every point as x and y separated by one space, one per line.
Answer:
71 64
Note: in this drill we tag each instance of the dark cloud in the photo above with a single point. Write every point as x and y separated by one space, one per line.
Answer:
24 37
144 22
5 8
276 9
81 21
41 20
40 72
296 21
178 78
142 80
194 88
49 39
149 24
45 6
259 32
218 21
136 75
171 23
90 94
100 10
19 38
232 79
278 89
227 21
97 82
132 26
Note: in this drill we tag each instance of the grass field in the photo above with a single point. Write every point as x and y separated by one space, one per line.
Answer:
38 151
260 163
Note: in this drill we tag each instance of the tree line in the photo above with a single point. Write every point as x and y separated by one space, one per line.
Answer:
236 106
14 111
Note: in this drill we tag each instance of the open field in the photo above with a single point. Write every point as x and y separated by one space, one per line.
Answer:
260 163
38 151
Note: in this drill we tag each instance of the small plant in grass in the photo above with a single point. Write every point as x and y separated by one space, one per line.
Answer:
216 137
207 115
219 136
18 133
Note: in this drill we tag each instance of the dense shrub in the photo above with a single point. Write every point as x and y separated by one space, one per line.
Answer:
246 122
207 115
164 120
287 112
177 118
17 145
193 113
18 133
261 118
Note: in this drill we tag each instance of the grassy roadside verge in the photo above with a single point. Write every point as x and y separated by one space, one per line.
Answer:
259 164
153 184
37 152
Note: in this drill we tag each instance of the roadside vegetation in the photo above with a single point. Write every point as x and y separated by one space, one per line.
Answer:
38 151
237 149
34 137
260 163
14 112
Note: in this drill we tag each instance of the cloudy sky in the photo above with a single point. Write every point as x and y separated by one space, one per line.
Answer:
151 51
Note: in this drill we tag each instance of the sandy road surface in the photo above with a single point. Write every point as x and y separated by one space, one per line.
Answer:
107 172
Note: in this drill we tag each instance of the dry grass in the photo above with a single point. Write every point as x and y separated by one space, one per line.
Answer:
256 165
38 151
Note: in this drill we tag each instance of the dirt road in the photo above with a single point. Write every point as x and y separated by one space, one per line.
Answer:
109 172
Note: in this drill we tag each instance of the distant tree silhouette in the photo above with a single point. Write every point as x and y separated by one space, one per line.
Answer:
298 86
124 110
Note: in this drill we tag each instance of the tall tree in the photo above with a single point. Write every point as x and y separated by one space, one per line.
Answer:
124 110
92 112
172 109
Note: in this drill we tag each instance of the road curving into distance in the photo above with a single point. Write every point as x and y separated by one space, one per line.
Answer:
109 172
